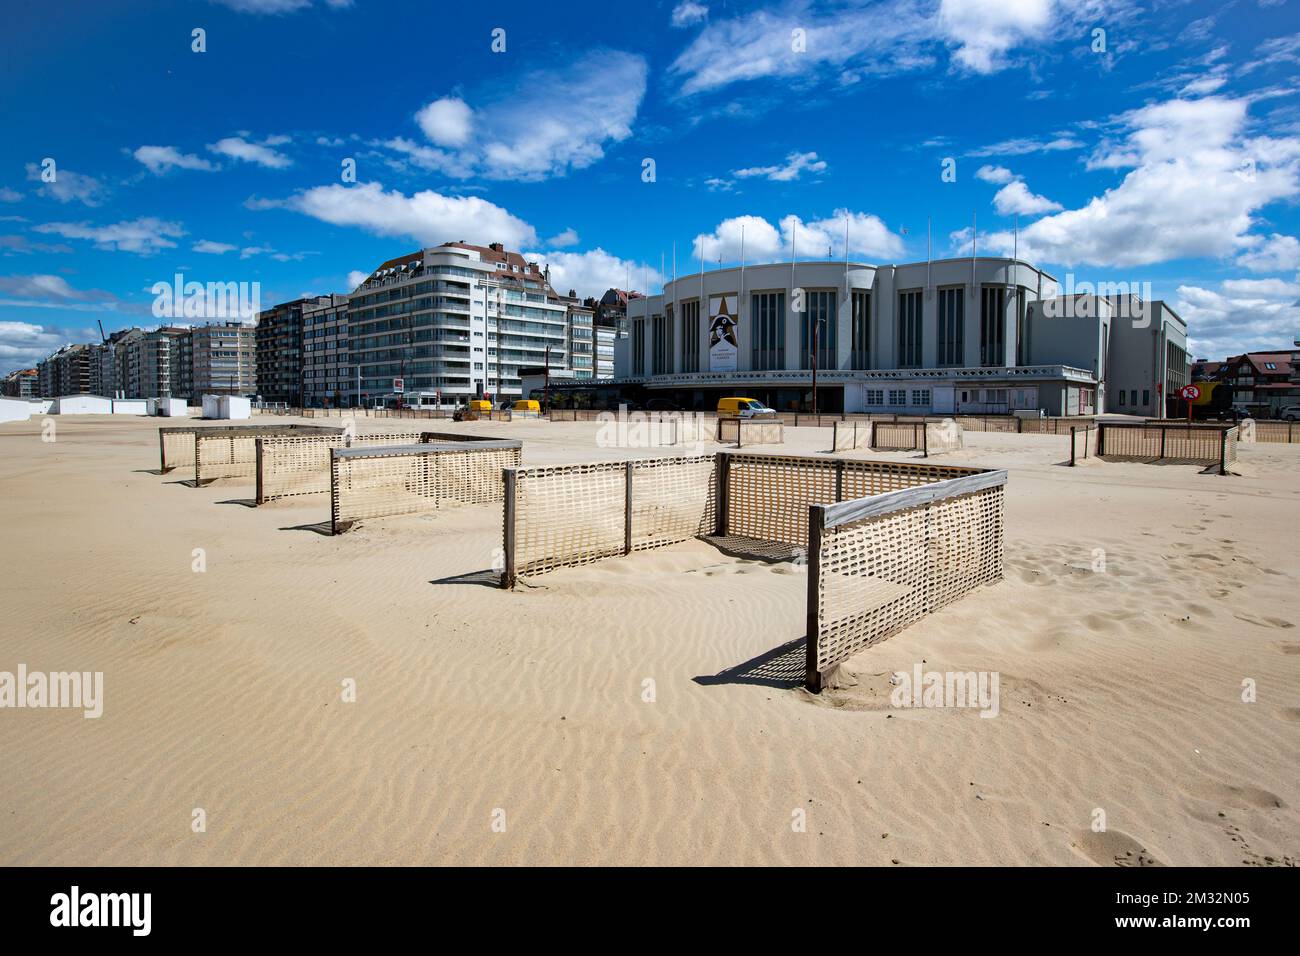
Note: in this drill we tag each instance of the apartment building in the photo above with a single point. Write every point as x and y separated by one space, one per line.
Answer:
68 371
329 379
280 351
222 359
21 383
457 321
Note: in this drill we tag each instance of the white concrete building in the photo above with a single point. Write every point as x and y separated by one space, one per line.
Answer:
945 336
458 320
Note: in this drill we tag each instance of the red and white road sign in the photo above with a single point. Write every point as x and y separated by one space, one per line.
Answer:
399 385
1190 393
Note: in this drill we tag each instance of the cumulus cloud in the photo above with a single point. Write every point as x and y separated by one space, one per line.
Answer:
23 344
764 242
144 236
10 195
426 217
688 13
237 147
545 124
160 159
795 164
277 6
213 248
563 240
1023 146
999 175
1195 182
590 273
1015 199
1278 253
356 277
68 186
982 32
1242 315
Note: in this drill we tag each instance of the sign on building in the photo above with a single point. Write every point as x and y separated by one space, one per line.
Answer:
399 386
723 341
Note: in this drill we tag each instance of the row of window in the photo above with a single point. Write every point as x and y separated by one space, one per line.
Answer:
817 324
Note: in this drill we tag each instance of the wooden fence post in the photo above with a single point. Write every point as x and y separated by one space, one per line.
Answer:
1223 451
627 509
1071 446
508 526
257 455
816 523
722 477
925 442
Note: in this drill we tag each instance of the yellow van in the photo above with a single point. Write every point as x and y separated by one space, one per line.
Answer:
528 406
479 405
743 408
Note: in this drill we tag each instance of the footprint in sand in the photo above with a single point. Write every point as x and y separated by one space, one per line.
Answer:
1112 848
1241 796
1289 714
1264 621
1288 647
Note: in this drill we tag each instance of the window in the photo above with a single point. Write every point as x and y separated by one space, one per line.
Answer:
920 396
638 346
1146 396
952 320
898 396
767 313
1023 344
909 330
691 336
1270 366
993 311
861 330
819 313
875 396
661 331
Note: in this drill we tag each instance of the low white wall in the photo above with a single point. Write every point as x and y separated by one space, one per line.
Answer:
130 406
15 410
83 405
232 406
173 407
41 405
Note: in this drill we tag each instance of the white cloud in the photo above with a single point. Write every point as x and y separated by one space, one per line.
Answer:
277 6
548 122
160 159
1024 146
590 273
262 154
426 217
764 242
446 122
356 277
1241 315
687 13
984 31
144 236
1278 253
795 164
48 287
68 186
1195 184
23 344
10 195
568 237
998 175
213 248
1015 199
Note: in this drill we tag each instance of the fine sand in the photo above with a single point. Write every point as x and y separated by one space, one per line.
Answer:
1121 689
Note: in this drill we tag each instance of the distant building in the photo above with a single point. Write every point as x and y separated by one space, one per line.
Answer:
1262 382
223 359
22 383
280 351
68 371
329 378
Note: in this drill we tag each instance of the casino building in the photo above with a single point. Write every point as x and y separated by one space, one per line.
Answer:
976 335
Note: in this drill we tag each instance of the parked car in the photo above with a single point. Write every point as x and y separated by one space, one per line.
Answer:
743 408
1290 413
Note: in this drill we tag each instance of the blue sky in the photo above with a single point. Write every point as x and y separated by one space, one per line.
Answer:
1165 149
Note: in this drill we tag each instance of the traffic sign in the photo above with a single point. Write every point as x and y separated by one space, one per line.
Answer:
1190 393
399 385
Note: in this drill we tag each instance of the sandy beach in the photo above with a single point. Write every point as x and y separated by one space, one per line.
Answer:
1121 689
